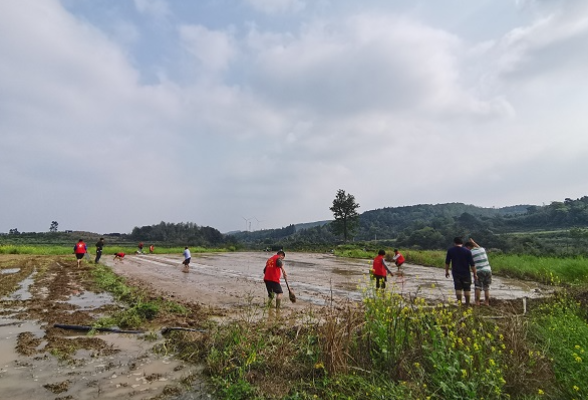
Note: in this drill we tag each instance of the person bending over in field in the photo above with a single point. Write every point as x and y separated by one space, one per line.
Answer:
398 259
119 256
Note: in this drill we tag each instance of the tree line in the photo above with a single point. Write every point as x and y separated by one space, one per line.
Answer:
184 233
557 228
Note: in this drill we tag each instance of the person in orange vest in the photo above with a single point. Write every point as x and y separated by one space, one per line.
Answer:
380 270
274 268
398 259
151 248
80 250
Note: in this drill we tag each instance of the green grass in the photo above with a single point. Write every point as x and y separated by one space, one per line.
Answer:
548 270
386 348
140 308
55 250
561 329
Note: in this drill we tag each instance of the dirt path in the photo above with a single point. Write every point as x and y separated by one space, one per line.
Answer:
230 280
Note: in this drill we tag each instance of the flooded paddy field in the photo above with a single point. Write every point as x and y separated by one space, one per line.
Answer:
228 280
41 361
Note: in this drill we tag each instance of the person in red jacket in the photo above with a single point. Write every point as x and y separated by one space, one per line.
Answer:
274 268
380 270
398 259
119 256
80 250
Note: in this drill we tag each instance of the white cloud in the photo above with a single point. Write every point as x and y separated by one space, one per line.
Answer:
154 8
549 46
213 49
248 117
366 62
276 6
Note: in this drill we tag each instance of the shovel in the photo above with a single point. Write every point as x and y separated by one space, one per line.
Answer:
291 294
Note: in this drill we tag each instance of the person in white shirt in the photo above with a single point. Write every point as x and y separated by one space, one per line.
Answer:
483 270
187 258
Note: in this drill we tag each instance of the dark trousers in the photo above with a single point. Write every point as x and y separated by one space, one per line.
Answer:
380 282
98 255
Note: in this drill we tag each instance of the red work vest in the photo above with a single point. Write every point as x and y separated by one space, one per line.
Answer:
378 266
80 248
272 271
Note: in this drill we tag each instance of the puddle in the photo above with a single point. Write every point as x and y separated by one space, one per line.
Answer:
90 300
22 293
9 271
135 373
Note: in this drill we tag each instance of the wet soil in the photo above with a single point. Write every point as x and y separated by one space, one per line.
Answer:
39 361
233 280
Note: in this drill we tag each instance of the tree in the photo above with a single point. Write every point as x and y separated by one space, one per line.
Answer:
14 231
53 227
344 210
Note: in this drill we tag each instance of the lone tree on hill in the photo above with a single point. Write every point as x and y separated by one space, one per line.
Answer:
54 226
344 210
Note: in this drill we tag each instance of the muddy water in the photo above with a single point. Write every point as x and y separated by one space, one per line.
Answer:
133 373
126 367
234 279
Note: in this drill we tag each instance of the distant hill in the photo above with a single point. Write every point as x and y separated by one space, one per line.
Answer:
308 225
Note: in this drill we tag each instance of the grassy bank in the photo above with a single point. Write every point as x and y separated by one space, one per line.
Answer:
388 348
548 270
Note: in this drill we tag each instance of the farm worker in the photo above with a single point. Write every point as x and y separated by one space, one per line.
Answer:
274 268
80 249
99 247
187 258
380 270
119 256
461 261
398 259
483 271
140 251
151 248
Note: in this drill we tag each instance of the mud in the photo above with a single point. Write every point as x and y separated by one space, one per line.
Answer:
233 280
38 361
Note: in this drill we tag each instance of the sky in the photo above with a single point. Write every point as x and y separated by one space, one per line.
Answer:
252 114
